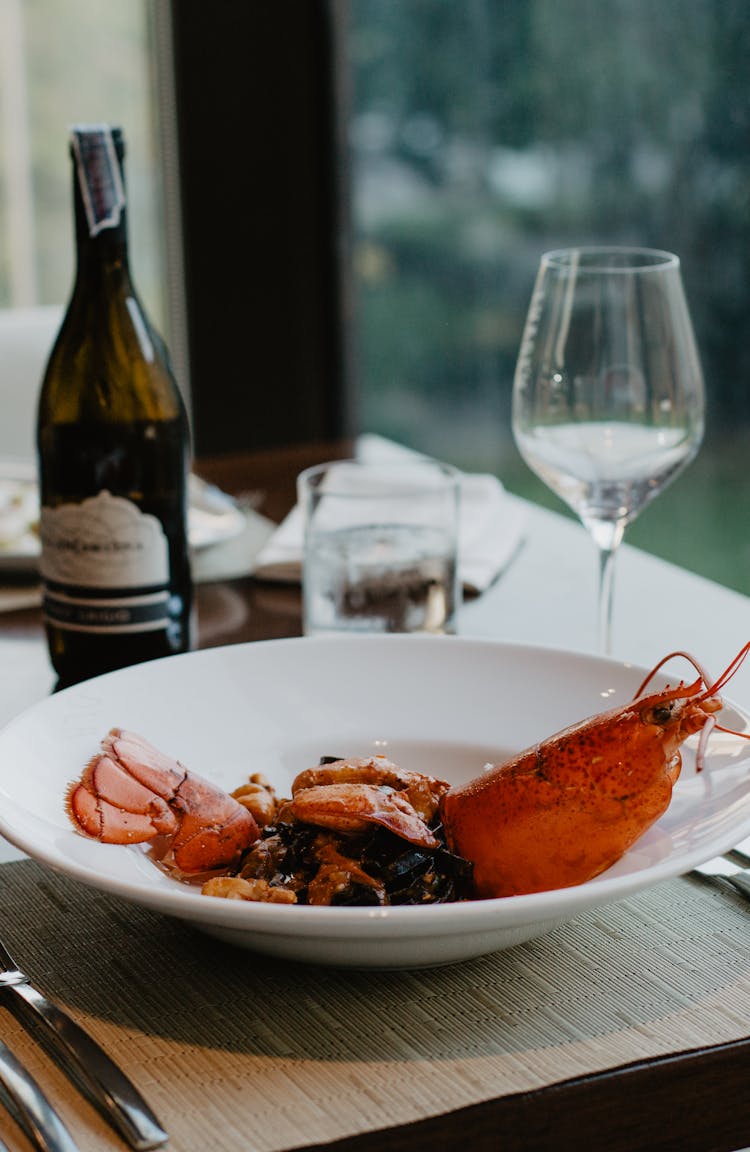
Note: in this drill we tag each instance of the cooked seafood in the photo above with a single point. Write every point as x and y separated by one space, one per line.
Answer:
348 795
364 831
566 809
360 831
356 831
315 866
131 793
422 792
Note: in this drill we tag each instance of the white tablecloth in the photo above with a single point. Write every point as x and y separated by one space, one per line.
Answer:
548 597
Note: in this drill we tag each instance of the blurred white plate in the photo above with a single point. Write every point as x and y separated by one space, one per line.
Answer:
213 516
441 705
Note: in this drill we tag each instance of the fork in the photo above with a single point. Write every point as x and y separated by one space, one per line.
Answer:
733 866
81 1059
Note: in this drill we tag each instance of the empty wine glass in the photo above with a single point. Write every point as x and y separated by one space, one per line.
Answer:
608 391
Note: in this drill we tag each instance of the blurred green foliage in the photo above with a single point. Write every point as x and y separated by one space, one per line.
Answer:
486 132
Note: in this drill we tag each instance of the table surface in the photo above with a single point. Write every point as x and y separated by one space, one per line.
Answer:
546 597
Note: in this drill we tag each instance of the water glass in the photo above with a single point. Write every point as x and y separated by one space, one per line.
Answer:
380 547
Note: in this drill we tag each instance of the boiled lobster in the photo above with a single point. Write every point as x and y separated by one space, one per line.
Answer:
567 808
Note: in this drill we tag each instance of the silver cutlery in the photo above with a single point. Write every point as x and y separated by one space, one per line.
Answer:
733 866
82 1060
30 1108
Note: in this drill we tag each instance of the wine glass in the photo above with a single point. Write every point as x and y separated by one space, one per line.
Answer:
608 391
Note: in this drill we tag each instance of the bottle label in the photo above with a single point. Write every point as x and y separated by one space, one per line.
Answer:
105 565
99 176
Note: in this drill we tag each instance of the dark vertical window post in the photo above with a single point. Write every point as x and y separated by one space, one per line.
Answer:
260 108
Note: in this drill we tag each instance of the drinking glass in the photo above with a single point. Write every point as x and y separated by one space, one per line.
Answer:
608 392
380 547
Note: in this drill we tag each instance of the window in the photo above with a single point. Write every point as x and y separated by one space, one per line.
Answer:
62 63
485 133
254 291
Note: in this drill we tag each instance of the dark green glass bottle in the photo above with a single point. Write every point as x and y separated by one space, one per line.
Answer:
113 449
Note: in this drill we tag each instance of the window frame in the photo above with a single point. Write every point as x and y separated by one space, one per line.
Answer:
261 103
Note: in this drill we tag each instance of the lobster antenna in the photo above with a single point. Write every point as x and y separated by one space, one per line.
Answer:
729 672
700 754
686 656
725 677
710 690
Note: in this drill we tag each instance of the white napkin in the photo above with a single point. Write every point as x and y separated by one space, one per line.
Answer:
491 527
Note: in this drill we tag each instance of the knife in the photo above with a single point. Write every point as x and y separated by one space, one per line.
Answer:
30 1107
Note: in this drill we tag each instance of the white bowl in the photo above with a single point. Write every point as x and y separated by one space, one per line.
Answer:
440 705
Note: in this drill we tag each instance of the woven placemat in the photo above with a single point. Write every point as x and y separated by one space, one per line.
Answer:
239 1052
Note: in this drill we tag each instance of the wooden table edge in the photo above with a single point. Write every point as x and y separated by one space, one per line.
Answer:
620 1109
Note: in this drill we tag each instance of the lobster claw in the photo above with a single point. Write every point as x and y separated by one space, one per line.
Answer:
131 793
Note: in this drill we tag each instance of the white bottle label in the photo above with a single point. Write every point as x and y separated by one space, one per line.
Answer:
105 565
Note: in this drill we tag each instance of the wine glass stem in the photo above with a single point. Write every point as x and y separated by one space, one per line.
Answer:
606 586
607 535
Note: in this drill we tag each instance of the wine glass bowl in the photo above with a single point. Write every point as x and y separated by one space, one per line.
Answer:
608 402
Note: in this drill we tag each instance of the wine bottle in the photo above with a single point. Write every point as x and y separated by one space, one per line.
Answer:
113 450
